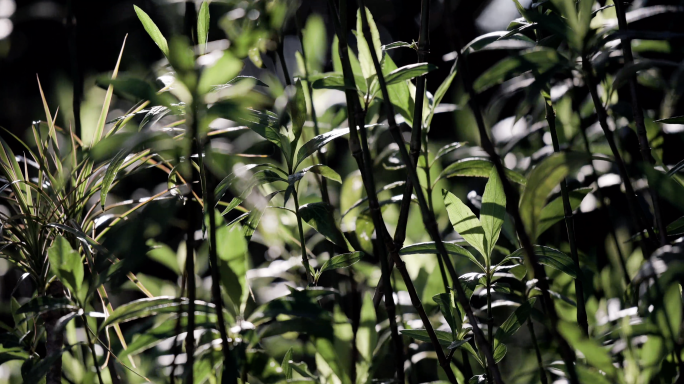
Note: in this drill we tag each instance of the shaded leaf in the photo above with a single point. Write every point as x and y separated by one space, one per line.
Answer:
465 222
477 167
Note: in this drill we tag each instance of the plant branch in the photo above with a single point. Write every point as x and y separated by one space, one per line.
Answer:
637 113
305 258
428 216
569 224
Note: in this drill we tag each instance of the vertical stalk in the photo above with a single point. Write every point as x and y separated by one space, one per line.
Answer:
540 361
570 225
603 121
191 224
490 319
229 368
176 346
92 349
428 217
322 182
605 208
566 351
54 340
637 113
302 240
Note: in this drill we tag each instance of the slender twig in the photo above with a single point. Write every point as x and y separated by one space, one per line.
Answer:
216 277
566 351
540 361
604 207
428 217
305 258
608 133
637 113
322 182
570 225
490 319
92 348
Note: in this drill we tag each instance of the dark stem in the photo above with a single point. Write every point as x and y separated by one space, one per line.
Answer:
637 113
570 225
302 240
603 121
113 373
91 346
428 217
55 340
567 354
192 224
605 209
176 346
216 279
490 319
540 361
283 64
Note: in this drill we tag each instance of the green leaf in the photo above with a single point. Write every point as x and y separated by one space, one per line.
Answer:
112 170
152 306
543 179
550 257
203 27
478 379
431 248
399 93
255 214
165 330
449 311
314 41
408 72
493 211
465 222
40 369
366 336
553 212
344 260
477 167
334 81
445 150
538 59
317 143
365 58
594 353
66 263
445 338
439 94
511 326
286 367
297 112
240 176
320 169
672 120
231 248
397 44
320 217
469 282
364 228
42 304
152 30
164 255
224 70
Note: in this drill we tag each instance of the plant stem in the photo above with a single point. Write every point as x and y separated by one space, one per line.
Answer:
305 258
54 340
283 64
540 361
637 113
570 225
603 121
566 351
605 208
322 182
229 368
192 224
490 319
92 348
428 217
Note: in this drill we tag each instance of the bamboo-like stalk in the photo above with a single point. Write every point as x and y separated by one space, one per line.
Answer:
428 217
91 346
302 240
637 113
605 209
566 351
635 211
322 182
216 275
540 361
570 225
359 150
191 224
